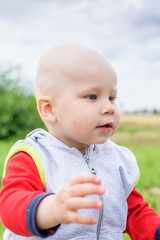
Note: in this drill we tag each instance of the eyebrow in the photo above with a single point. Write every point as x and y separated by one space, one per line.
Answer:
89 88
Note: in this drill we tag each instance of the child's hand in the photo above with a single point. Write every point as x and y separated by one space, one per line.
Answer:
71 198
63 207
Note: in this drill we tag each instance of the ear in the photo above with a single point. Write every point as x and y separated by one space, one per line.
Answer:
46 109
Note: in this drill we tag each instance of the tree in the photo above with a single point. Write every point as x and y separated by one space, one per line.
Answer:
18 114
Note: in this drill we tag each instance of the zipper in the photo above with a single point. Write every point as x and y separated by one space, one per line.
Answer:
93 171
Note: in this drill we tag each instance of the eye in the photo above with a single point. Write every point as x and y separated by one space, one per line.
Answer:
112 98
92 97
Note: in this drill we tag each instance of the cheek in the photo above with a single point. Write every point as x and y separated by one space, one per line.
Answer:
75 123
79 127
117 120
117 115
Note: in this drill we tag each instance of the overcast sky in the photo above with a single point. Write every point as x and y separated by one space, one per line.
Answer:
127 32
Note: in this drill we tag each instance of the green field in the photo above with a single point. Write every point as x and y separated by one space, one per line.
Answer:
141 134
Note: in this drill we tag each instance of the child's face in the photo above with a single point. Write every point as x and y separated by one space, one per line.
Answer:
85 108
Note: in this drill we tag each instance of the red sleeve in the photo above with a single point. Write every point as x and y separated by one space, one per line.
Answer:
20 185
142 221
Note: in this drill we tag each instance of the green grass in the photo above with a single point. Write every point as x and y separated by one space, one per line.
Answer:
4 148
141 135
1 230
5 145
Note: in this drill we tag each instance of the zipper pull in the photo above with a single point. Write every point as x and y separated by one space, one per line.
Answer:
93 171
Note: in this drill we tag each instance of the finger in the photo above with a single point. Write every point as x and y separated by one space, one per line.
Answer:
85 178
81 190
81 219
77 203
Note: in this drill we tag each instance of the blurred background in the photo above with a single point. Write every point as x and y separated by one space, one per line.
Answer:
127 32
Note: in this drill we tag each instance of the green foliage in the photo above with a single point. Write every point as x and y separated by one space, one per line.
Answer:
5 145
18 114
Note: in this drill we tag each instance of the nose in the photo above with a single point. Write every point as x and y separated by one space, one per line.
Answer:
108 107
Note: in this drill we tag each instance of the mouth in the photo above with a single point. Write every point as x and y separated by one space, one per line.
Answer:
107 126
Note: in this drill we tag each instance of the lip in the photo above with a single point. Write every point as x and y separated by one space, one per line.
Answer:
105 127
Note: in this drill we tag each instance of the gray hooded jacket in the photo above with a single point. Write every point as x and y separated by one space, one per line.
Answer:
115 165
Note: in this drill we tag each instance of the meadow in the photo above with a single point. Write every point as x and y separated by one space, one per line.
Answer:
141 134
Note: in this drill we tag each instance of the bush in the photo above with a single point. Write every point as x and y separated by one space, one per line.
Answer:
18 114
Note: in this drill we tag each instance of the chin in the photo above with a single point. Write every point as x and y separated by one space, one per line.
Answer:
101 141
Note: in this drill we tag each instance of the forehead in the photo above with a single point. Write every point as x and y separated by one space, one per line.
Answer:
92 73
74 65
